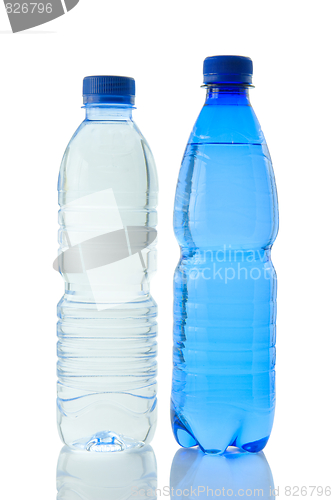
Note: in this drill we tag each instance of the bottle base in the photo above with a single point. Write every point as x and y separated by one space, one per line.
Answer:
101 426
186 439
106 441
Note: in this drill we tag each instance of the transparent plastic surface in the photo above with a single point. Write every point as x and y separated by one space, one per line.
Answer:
225 220
107 318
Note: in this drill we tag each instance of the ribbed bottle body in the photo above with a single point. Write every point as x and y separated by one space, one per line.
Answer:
225 221
107 319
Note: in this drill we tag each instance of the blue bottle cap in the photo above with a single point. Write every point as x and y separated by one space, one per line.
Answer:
228 69
108 89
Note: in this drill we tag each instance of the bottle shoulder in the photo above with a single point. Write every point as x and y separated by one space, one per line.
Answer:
104 154
112 134
226 192
227 124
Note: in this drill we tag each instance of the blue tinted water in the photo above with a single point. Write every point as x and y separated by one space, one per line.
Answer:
225 221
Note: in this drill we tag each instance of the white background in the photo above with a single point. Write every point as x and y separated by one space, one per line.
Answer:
162 44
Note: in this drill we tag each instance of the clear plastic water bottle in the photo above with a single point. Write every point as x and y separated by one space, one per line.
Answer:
225 221
107 317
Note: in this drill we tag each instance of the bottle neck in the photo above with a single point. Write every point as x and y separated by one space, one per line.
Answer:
223 95
106 112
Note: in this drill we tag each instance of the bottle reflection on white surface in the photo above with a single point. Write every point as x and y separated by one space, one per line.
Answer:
83 475
235 474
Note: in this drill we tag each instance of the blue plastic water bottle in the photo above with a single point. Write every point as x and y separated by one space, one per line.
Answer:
225 221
